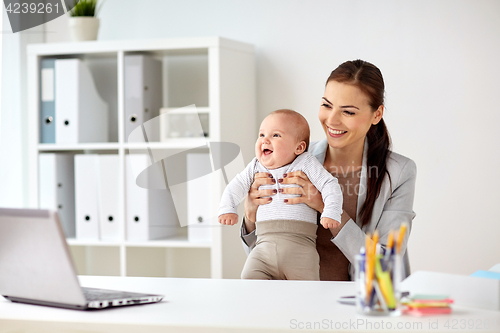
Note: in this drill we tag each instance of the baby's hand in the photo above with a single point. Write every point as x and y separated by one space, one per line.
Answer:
328 223
229 219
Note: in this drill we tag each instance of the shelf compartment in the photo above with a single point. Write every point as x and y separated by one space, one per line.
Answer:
180 143
168 262
45 147
96 260
184 123
83 242
173 242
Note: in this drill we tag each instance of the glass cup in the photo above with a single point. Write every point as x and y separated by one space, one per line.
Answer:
378 285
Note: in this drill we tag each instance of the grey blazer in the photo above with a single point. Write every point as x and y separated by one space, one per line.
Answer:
393 206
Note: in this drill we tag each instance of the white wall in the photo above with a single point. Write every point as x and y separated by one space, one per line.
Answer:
439 60
13 132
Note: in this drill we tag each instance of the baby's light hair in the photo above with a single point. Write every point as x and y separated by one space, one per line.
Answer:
302 126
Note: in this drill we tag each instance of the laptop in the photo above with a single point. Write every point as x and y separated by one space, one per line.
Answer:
36 265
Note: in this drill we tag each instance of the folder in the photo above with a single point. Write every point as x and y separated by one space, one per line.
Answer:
143 93
80 112
109 210
199 198
87 196
47 101
150 212
57 188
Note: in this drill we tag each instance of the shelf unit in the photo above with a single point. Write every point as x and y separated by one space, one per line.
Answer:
224 71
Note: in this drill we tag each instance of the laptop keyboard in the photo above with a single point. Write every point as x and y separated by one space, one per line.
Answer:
93 294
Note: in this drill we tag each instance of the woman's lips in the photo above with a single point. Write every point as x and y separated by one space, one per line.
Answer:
334 133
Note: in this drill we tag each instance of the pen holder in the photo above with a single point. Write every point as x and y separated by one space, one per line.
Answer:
378 285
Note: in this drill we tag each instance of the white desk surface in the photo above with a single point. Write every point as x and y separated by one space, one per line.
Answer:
210 305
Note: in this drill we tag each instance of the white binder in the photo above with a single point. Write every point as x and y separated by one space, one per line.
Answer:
199 199
57 188
81 114
109 216
87 196
143 93
150 212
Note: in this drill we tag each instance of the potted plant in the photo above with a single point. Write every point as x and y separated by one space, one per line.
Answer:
83 23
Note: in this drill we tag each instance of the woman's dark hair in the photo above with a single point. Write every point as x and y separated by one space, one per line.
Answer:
368 78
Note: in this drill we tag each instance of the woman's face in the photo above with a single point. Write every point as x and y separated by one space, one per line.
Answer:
346 115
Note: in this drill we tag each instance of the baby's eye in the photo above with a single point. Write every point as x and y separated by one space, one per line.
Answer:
261 135
276 135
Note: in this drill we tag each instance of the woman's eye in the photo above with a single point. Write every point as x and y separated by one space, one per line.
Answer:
328 106
349 113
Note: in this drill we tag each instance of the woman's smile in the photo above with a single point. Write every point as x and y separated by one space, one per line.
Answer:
335 133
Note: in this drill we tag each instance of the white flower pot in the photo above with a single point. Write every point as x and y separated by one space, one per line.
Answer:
83 28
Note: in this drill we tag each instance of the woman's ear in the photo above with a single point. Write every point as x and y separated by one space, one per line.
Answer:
301 147
378 115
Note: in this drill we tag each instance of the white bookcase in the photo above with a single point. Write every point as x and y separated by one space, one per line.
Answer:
216 74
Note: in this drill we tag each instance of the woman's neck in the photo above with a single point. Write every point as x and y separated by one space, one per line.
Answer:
346 159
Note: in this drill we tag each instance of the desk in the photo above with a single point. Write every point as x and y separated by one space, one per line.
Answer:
209 305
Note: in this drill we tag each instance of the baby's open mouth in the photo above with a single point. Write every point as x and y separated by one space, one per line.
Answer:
267 152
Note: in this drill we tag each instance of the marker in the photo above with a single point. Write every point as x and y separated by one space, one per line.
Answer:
385 284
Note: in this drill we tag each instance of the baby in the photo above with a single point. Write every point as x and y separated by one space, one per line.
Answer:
286 234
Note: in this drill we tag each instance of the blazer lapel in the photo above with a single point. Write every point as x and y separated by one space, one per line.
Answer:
319 151
362 184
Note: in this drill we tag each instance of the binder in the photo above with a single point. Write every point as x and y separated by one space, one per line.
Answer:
81 114
87 196
150 212
47 101
109 216
199 199
57 188
143 93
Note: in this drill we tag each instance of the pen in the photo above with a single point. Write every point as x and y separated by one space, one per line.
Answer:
362 278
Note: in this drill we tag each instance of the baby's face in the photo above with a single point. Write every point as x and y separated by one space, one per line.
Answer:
277 144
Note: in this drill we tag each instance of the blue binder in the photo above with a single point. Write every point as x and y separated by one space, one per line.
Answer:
47 101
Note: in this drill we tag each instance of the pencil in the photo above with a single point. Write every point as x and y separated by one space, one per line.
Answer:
390 241
402 233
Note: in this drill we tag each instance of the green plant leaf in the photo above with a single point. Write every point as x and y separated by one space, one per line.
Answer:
84 8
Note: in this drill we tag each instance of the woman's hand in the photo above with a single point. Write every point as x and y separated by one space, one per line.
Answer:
309 194
257 197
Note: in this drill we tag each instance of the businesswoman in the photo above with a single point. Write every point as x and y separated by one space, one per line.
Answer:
378 185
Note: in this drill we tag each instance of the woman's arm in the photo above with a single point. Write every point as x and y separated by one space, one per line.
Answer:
391 209
254 199
309 195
